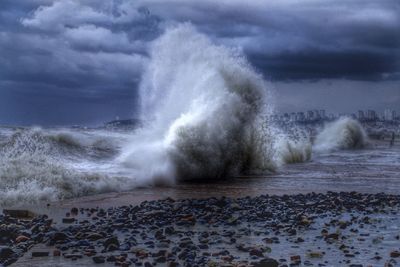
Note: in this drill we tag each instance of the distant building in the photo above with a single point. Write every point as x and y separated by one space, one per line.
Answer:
371 115
389 115
300 116
292 116
361 115
322 113
310 115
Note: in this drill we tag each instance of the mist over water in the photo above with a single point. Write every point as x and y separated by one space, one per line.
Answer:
205 117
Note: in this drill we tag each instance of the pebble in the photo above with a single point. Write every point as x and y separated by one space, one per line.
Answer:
201 232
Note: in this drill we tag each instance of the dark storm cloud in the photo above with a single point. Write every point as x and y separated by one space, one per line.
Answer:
95 50
302 39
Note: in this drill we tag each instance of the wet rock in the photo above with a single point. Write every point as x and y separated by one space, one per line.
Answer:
99 259
256 252
94 236
5 253
68 220
59 236
395 254
111 241
36 254
267 262
296 259
56 253
21 238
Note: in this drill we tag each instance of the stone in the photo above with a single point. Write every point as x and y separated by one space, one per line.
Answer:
56 253
5 253
21 238
59 236
267 262
68 220
94 236
99 259
256 252
111 241
315 254
295 258
37 254
395 254
20 214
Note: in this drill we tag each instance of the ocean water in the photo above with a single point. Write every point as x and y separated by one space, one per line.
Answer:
205 113
50 164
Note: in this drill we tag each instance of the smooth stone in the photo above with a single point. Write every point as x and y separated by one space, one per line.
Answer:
5 253
99 259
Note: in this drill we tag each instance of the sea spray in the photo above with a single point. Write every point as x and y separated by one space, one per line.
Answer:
205 102
42 164
205 116
344 133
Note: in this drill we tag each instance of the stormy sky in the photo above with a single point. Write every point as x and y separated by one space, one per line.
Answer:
80 61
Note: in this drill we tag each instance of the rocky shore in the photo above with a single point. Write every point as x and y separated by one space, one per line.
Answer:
332 229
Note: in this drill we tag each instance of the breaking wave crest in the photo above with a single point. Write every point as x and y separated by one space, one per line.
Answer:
345 133
38 164
206 103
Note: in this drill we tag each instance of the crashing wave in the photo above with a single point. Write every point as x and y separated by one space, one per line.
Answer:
206 102
37 164
207 107
345 133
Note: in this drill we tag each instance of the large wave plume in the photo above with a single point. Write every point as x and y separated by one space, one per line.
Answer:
206 103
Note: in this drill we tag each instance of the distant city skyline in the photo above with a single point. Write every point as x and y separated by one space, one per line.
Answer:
322 114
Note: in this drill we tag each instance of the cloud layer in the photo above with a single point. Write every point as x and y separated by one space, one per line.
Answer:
88 52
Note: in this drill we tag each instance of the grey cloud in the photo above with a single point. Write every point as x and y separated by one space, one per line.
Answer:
88 50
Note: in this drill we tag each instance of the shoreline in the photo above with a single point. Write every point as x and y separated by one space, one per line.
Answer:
332 228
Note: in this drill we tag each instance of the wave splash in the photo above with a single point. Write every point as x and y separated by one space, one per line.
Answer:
206 103
37 164
344 133
205 113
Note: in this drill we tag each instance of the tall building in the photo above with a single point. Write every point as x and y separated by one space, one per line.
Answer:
371 115
300 116
322 113
361 115
310 115
389 115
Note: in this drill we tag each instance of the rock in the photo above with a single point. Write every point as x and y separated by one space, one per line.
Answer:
59 236
111 241
333 236
395 254
112 247
315 254
20 214
74 211
56 253
68 220
295 259
73 256
21 238
256 252
94 236
5 253
36 254
99 259
267 262
169 230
